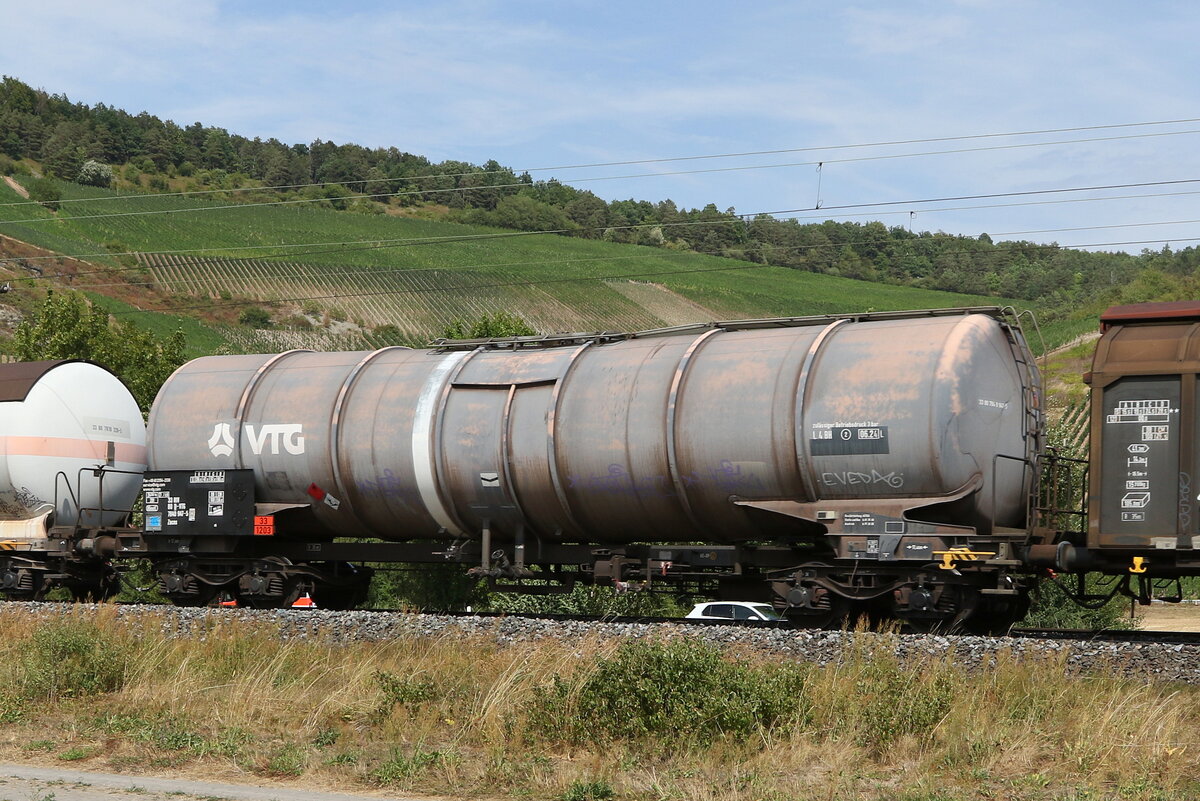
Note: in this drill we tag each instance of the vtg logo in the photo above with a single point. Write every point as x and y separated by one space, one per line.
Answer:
288 435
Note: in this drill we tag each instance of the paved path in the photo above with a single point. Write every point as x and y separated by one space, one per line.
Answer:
37 783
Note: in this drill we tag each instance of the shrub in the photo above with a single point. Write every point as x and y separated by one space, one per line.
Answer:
500 324
891 701
95 173
587 599
598 790
364 206
255 317
400 766
679 692
288 760
407 691
44 191
1053 608
69 658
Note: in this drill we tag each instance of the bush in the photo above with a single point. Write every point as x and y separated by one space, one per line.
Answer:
44 191
69 658
255 317
406 691
598 790
95 173
890 701
489 326
401 767
587 599
364 206
1053 608
682 692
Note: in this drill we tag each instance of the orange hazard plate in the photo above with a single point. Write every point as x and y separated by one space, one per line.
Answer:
264 531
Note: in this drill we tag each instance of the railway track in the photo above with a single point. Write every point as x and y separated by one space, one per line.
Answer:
1111 635
1024 633
1140 655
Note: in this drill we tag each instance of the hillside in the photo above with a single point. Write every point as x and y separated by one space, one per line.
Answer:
47 134
416 275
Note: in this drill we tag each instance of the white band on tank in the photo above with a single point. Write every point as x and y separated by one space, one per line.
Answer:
423 451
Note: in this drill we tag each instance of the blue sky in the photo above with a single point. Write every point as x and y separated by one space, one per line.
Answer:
537 84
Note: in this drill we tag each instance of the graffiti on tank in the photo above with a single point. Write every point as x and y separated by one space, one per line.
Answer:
851 478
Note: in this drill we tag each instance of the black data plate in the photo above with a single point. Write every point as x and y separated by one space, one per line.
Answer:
193 502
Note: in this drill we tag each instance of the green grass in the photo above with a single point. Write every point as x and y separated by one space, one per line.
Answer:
201 339
556 283
587 719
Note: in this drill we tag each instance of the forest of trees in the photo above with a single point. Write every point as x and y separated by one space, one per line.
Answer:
100 144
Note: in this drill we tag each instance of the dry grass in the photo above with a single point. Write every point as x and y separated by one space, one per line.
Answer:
462 717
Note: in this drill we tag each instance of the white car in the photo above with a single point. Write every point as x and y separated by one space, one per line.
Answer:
732 610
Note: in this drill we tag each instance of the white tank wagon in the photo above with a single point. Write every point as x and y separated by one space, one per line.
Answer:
673 436
59 422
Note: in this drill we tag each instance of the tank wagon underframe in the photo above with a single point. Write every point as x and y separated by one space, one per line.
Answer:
971 575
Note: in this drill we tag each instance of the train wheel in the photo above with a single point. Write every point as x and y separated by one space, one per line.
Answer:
272 591
202 597
184 589
818 608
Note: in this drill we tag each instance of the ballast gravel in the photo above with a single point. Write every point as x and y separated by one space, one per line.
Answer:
1161 661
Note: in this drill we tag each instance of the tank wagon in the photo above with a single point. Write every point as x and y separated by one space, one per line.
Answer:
887 463
795 450
74 450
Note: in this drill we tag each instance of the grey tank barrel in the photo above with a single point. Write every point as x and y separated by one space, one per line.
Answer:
659 437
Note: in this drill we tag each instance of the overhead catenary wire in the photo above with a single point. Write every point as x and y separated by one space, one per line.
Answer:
592 179
338 246
670 159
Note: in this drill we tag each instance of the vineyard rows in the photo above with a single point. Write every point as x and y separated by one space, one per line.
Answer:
420 302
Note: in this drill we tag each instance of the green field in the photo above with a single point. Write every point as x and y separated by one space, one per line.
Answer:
420 275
